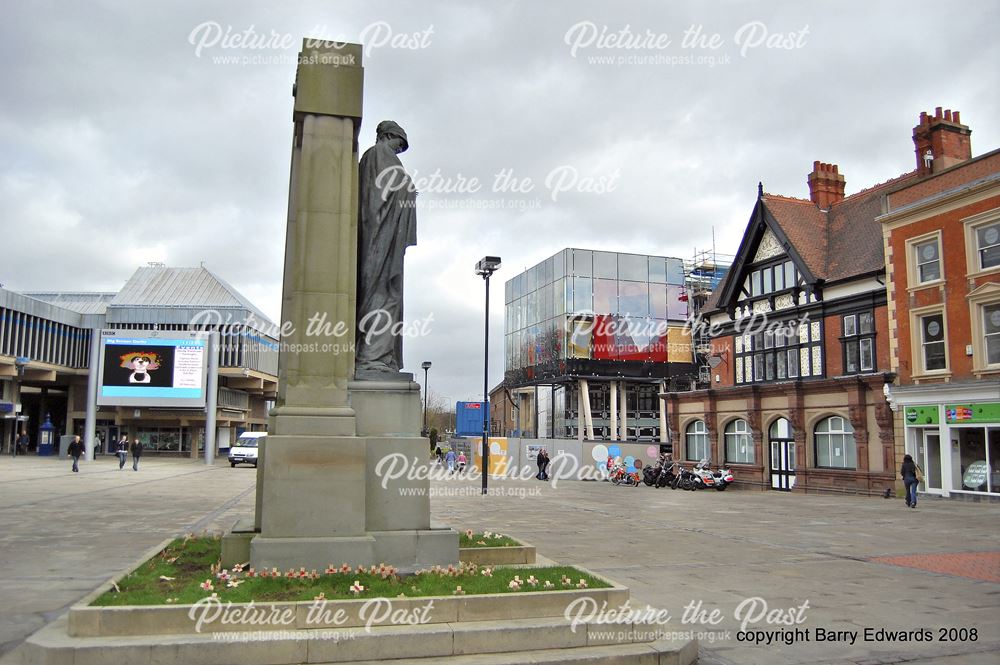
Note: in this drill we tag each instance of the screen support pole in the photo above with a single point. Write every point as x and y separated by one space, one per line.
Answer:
212 397
90 424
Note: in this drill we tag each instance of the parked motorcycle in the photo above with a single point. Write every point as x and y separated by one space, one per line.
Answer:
723 478
668 475
660 474
685 479
619 475
719 479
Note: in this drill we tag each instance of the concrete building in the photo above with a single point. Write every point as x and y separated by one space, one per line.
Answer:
45 358
942 235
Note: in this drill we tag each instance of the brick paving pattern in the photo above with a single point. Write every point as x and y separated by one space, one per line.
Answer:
983 566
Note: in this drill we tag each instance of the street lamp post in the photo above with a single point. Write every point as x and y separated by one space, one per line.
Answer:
486 267
426 365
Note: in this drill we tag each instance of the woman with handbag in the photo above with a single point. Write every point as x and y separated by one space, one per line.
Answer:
912 475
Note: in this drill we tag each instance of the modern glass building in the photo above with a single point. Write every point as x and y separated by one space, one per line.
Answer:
608 325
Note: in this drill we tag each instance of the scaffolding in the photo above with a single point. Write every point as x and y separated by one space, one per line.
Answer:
703 274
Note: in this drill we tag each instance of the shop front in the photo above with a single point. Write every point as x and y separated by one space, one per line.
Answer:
957 444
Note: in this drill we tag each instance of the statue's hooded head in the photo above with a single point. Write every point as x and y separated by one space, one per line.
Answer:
388 128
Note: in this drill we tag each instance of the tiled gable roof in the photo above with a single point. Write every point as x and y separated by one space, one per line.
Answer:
842 242
836 244
805 227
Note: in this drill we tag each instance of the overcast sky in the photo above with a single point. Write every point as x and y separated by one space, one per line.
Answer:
128 135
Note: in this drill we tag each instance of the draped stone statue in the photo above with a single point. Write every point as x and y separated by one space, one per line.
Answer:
387 225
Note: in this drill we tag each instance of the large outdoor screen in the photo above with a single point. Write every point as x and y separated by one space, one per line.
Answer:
152 368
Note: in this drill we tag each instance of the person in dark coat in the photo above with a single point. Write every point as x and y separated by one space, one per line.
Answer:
136 454
543 464
122 452
21 445
908 471
75 450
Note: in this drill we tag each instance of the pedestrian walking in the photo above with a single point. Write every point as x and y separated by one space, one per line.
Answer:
21 444
912 475
136 454
122 452
543 464
439 455
462 461
450 459
75 450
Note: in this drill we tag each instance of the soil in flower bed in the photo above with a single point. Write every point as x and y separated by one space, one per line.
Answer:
487 539
187 570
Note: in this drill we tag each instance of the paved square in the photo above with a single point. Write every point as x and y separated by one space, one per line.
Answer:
851 558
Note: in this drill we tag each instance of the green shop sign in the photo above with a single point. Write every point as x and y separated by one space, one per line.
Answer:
922 415
971 414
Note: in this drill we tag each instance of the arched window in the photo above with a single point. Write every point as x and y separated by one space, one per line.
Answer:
835 447
739 443
696 438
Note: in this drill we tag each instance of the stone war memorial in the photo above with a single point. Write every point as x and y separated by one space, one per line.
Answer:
323 515
319 499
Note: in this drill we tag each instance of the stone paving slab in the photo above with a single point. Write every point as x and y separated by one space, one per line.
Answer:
672 548
61 534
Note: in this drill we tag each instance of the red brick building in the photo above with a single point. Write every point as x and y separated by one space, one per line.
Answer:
801 328
942 235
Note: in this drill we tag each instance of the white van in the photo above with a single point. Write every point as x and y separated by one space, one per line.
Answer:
244 451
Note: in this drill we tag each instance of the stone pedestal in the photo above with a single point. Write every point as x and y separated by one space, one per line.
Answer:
336 499
321 498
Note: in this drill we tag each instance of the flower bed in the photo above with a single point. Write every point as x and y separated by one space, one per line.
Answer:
187 570
485 539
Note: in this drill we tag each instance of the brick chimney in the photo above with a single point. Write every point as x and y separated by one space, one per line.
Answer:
826 185
945 137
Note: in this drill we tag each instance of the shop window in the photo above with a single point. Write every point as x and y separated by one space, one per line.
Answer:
164 439
739 443
696 441
978 459
835 446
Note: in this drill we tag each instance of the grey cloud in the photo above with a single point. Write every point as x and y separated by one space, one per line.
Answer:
120 145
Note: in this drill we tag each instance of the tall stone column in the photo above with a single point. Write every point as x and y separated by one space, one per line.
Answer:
320 500
320 279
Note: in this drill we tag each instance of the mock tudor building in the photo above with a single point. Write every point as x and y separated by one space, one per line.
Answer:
942 235
800 333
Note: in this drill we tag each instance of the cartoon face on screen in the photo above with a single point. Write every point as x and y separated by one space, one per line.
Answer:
141 363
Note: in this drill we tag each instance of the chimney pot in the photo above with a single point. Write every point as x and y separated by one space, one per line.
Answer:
947 143
826 185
